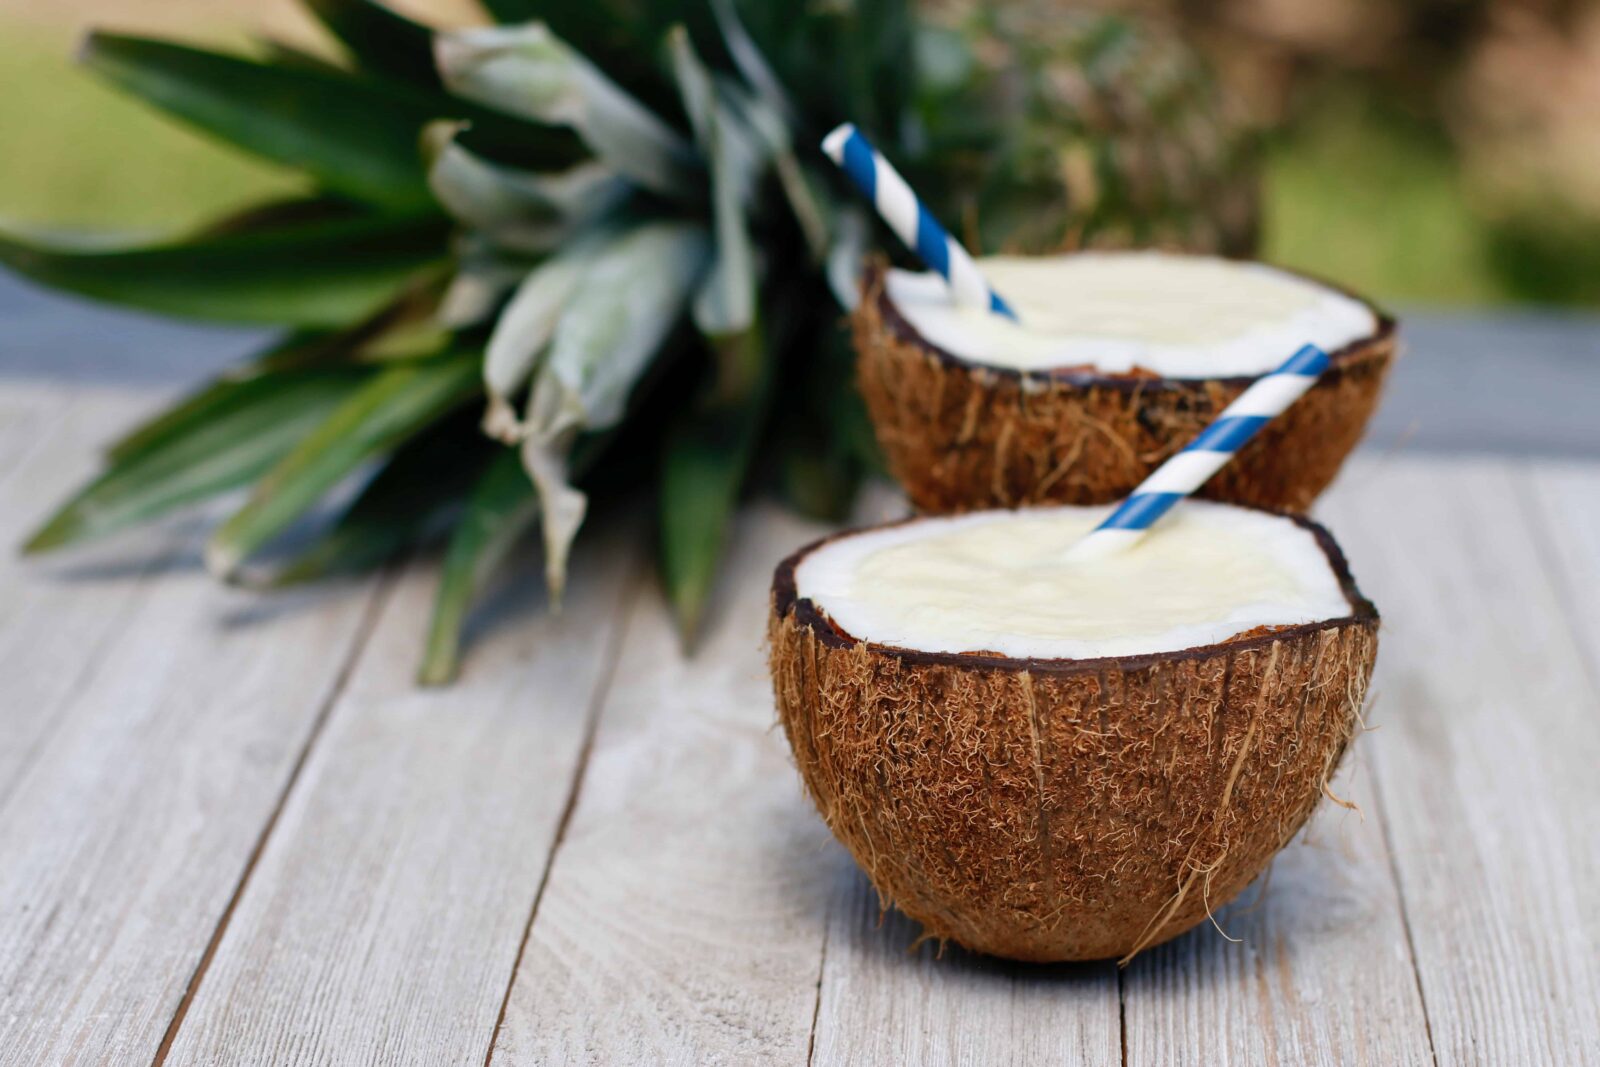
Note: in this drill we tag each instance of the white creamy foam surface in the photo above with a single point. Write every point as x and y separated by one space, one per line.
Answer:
1179 316
999 581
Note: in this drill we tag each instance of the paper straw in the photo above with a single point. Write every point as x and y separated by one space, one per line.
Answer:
910 219
1269 396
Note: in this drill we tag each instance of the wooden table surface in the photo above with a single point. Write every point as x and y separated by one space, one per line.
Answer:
232 832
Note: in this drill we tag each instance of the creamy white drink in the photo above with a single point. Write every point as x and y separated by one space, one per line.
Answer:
1000 581
1177 316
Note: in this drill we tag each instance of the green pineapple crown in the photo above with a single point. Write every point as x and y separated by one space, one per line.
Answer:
517 284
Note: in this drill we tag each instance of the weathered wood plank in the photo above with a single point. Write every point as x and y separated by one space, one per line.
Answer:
1321 973
1564 505
161 727
48 445
683 920
880 1003
1487 763
383 920
27 414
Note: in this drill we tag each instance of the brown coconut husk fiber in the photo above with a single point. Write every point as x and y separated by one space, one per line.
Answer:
1067 809
961 436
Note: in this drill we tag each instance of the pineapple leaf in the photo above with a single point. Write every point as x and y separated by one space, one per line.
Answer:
238 432
390 408
279 53
704 464
515 209
845 258
618 36
773 132
751 64
312 275
633 296
820 483
198 408
397 331
531 73
501 508
397 508
279 214
380 40
726 302
484 275
523 330
353 136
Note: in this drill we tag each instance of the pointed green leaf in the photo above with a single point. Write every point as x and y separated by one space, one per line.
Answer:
633 295
522 211
280 214
280 53
501 508
316 274
704 464
817 481
525 327
393 333
726 302
847 256
752 65
826 444
484 276
213 400
241 431
380 40
397 508
391 407
533 74
768 126
508 12
402 326
562 506
353 136
618 36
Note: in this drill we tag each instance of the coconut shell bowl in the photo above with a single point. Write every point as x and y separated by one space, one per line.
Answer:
1068 809
962 435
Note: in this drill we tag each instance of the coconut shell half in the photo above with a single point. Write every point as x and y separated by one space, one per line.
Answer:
1059 809
963 436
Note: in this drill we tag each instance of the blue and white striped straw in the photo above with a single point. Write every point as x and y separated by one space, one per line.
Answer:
1269 396
910 219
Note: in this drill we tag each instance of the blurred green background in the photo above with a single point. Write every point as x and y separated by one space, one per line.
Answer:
1422 151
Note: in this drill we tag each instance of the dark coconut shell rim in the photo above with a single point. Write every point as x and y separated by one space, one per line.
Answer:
786 600
1376 345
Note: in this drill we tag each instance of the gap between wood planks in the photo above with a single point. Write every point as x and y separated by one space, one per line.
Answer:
822 972
624 610
378 599
1384 833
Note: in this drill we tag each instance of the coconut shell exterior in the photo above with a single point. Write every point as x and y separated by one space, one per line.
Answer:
961 436
1067 809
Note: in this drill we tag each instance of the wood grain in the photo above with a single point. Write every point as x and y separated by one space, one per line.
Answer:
1488 759
125 836
683 920
381 925
883 1002
696 911
47 447
1562 500
1321 973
